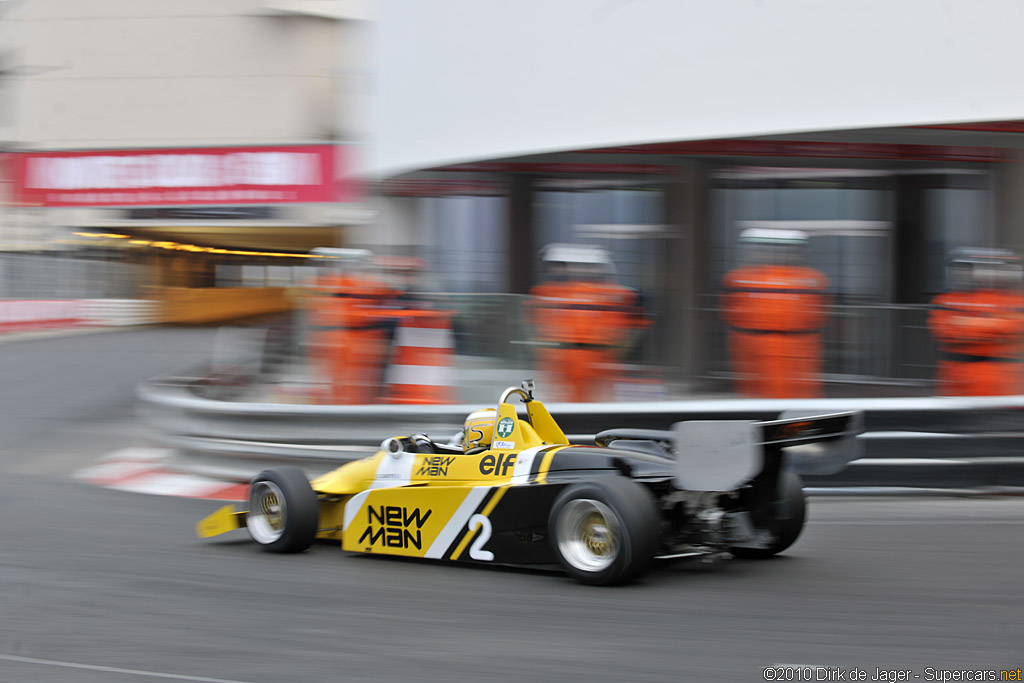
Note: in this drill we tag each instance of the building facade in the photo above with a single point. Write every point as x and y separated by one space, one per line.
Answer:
222 130
663 129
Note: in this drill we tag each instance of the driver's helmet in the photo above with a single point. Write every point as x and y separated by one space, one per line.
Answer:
478 430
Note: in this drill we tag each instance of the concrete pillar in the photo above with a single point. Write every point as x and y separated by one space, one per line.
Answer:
522 250
910 239
1009 202
687 210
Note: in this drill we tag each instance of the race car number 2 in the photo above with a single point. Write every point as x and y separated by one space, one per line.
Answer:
476 550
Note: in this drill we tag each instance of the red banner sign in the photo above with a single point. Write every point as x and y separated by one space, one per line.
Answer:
233 175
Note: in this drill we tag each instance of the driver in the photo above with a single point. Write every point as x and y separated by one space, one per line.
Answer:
478 430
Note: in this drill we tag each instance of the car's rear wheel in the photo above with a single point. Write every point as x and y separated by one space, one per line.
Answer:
604 531
283 510
785 527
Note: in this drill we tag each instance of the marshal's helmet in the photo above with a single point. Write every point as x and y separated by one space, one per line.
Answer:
478 430
577 263
773 247
972 268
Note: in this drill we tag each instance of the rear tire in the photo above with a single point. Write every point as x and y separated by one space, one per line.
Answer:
787 529
604 531
283 510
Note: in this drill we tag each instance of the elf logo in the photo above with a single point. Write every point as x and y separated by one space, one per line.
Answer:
394 527
497 465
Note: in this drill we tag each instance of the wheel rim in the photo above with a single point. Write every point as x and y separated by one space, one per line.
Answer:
267 512
588 535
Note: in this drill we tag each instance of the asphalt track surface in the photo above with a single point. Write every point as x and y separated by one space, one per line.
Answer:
106 586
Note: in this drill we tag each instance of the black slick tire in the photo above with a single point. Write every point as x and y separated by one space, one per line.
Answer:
787 529
283 510
604 531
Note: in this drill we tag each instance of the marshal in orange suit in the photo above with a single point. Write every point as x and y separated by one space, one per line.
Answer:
352 316
585 318
979 324
776 308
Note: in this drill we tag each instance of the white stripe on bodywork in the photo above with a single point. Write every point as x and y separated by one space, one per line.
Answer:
457 521
352 508
391 471
524 461
394 470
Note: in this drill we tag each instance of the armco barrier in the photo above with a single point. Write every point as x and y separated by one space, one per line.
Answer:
938 442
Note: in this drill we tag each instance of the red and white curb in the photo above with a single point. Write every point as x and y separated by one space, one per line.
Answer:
145 470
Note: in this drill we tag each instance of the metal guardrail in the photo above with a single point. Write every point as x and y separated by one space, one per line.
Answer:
880 342
919 442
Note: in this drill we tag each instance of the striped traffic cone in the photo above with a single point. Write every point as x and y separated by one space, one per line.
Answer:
421 369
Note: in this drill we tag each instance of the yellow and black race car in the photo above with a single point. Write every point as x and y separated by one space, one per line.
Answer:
515 491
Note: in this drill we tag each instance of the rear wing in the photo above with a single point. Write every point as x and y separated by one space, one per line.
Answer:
793 430
815 444
719 455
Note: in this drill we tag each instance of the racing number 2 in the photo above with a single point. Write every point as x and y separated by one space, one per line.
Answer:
475 550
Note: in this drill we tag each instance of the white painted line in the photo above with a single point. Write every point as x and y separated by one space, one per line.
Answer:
912 435
920 522
171 485
139 453
9 337
111 472
142 470
306 446
906 461
900 491
117 670
996 460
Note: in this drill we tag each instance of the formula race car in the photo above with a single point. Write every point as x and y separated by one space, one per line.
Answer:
512 490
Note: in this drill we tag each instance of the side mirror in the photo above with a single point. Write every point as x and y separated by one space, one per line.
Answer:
528 387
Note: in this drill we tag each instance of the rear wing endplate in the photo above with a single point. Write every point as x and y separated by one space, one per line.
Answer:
816 444
719 455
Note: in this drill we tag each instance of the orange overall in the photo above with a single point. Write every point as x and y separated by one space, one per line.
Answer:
776 315
352 328
980 335
587 324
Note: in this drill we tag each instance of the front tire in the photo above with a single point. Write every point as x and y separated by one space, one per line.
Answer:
605 531
785 529
283 510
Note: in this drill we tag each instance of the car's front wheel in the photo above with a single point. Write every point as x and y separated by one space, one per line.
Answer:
604 531
283 510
